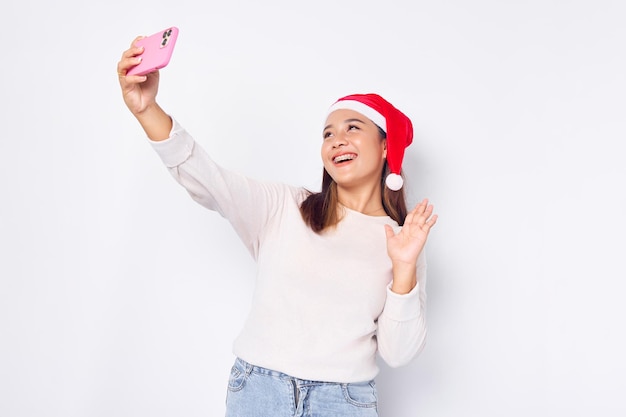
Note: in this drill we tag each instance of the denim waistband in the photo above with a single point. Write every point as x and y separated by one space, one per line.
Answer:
277 374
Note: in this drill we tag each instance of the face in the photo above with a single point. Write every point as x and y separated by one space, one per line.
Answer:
353 151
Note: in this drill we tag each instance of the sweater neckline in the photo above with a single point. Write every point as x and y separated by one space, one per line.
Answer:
357 214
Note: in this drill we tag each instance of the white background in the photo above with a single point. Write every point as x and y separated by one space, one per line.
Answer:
119 296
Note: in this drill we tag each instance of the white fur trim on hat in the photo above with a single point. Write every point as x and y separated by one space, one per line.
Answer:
364 109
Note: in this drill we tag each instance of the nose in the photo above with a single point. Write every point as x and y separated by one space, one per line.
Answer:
339 140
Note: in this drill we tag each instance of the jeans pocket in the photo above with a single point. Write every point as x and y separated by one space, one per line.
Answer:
361 394
238 375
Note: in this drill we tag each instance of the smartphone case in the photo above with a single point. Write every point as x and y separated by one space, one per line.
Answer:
158 50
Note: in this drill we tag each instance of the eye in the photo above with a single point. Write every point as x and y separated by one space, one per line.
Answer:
327 134
353 127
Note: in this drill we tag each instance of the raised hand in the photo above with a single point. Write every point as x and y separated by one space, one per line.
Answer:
405 247
139 91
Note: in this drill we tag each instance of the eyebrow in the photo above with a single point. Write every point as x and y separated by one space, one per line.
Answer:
347 121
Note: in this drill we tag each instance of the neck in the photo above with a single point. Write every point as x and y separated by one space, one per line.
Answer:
366 201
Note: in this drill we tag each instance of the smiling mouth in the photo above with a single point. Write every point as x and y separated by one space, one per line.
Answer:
344 158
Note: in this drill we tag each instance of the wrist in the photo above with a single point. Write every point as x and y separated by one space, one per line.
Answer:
155 122
404 277
146 111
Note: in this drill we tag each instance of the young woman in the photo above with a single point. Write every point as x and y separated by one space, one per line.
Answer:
341 273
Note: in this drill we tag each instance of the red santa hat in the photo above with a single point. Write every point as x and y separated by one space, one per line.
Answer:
392 121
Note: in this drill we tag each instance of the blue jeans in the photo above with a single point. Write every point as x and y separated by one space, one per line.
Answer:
258 392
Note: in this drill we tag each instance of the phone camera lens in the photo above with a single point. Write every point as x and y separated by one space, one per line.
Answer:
164 42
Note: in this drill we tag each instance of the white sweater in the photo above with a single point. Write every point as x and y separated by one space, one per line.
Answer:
322 304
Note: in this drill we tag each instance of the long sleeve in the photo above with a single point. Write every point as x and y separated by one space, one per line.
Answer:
247 204
402 329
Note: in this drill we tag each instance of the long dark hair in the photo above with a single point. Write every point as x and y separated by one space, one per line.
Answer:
319 210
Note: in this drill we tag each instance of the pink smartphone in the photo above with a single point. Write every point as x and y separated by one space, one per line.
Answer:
158 49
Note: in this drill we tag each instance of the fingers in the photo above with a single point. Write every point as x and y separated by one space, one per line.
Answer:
134 49
422 214
431 222
410 218
135 40
130 58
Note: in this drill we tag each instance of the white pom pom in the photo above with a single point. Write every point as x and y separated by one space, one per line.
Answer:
394 182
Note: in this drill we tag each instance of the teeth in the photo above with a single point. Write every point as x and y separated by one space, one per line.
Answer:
345 157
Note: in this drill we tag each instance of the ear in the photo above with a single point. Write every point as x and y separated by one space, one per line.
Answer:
384 148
